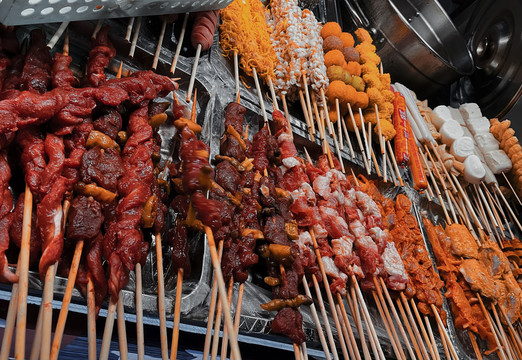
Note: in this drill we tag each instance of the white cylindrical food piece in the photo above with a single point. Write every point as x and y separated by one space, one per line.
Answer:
490 178
486 142
450 131
470 110
478 125
440 115
497 161
462 148
416 115
455 115
414 127
474 171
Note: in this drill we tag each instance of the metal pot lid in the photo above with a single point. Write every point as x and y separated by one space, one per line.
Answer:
494 34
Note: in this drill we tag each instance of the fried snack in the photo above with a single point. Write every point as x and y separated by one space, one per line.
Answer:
331 29
347 39
363 36
353 67
334 57
332 43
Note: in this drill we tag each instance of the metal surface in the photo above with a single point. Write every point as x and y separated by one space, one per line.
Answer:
494 35
24 12
416 40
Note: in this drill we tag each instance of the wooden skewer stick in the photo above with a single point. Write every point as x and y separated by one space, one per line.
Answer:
62 317
309 122
237 316
409 328
475 345
358 136
37 340
224 342
492 204
23 279
511 187
326 286
97 28
344 318
308 103
222 292
274 96
517 342
91 319
47 314
122 332
180 44
433 351
368 320
470 208
193 73
366 145
285 105
236 72
396 316
57 35
392 173
177 313
432 338
396 347
508 206
356 315
135 38
344 329
10 319
297 353
318 326
215 343
211 311
107 331
260 95
444 332
326 321
339 125
161 299
394 161
160 44
374 159
130 25
343 124
139 313
503 336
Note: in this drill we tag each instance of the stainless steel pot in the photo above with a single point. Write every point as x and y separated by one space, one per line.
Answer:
416 40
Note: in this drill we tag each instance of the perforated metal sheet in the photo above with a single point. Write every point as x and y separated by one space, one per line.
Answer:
24 12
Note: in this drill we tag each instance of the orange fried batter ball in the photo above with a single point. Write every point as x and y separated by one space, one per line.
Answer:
347 39
361 100
353 67
332 113
331 29
334 57
363 35
370 57
336 90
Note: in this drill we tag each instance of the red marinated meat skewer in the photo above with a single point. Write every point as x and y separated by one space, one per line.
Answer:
101 53
6 218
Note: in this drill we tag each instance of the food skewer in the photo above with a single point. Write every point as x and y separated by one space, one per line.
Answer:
215 341
58 34
343 125
358 136
511 187
180 44
97 28
10 320
260 96
161 298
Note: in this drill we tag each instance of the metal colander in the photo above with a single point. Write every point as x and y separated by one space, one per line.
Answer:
24 12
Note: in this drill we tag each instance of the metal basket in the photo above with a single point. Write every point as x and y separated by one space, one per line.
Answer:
24 12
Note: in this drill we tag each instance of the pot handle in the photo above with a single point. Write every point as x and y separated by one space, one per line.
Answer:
357 14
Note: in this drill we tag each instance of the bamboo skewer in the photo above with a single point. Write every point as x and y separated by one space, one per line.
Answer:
128 32
341 122
325 318
387 325
432 338
161 299
309 122
222 292
433 351
10 319
274 98
308 103
107 332
122 332
396 167
358 136
344 329
180 44
97 28
508 207
511 187
91 319
37 340
396 316
225 332
356 315
320 332
160 44
363 129
236 72
344 318
62 317
193 73
215 342
177 313
260 95
57 35
502 333
135 37
237 316
139 313
21 318
413 336
444 332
